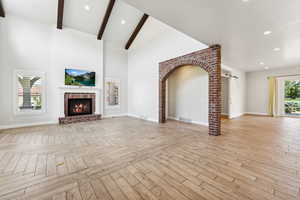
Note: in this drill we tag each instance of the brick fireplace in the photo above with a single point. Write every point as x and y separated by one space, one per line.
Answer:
79 107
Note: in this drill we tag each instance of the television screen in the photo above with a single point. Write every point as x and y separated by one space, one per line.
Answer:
79 77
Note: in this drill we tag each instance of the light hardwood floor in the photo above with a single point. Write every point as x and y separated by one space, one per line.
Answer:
128 159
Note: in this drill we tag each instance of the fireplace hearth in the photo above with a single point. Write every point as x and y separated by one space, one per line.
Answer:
79 107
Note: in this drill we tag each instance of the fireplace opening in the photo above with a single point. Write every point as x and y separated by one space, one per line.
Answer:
80 107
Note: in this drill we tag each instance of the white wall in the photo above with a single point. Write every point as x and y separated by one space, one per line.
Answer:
225 96
237 93
257 88
115 66
188 95
32 46
156 42
3 84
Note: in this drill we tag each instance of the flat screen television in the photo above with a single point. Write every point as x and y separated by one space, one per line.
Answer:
80 77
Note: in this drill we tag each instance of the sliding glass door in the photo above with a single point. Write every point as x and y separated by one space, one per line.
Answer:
292 97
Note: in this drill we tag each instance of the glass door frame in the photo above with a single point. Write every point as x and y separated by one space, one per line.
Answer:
281 95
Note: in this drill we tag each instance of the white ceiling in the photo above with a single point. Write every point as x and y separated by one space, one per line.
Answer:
41 11
76 17
238 26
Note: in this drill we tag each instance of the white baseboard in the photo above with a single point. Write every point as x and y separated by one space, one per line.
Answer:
192 122
143 118
116 115
27 125
133 115
236 115
173 118
152 120
257 113
3 127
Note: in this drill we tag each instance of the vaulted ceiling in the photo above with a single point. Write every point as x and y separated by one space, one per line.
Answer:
83 15
239 26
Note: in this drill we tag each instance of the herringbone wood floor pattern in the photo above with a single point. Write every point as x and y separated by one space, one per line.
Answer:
129 159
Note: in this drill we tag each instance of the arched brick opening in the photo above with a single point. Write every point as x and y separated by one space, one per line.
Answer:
208 59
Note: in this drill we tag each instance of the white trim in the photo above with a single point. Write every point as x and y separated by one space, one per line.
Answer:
133 115
143 118
257 113
115 115
191 122
232 116
290 116
27 125
152 120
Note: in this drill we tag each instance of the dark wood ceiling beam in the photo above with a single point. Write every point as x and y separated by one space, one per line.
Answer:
136 31
60 14
2 13
106 18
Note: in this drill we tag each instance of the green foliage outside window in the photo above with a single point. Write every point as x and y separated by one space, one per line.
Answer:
292 97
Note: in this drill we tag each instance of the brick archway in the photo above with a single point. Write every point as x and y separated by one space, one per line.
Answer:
208 59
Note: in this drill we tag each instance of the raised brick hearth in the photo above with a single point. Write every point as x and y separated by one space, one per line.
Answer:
81 117
209 60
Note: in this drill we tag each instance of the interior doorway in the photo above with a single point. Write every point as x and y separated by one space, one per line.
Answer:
187 95
208 59
225 97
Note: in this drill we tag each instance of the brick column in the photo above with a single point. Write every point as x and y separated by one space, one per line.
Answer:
208 59
162 103
215 91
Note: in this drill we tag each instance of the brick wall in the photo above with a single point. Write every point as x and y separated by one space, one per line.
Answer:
208 59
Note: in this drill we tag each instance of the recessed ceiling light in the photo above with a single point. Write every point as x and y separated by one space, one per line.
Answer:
87 7
267 32
266 67
123 21
261 63
276 49
245 0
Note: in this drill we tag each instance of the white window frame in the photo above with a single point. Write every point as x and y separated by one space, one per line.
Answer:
19 112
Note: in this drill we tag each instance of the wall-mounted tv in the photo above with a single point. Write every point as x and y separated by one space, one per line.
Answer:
80 77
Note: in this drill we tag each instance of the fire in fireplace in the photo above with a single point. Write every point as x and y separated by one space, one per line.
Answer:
80 106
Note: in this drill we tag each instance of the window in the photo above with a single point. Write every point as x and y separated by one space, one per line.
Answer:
29 92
